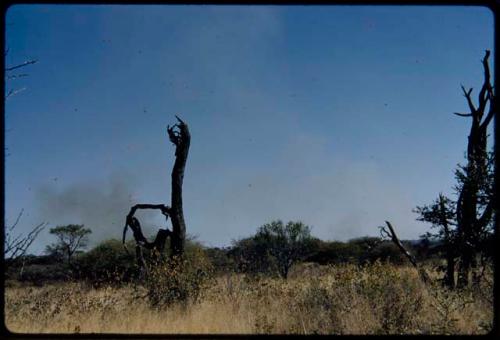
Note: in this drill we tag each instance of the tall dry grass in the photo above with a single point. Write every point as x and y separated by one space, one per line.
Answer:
376 299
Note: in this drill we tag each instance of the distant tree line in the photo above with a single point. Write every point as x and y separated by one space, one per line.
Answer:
273 250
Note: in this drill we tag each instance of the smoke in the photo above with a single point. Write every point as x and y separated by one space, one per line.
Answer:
100 205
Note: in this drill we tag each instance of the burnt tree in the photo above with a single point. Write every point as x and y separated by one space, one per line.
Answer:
474 211
179 135
181 139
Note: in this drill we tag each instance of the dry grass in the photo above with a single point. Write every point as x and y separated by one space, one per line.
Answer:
378 299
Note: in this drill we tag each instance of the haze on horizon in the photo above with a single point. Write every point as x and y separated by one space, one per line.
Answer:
338 116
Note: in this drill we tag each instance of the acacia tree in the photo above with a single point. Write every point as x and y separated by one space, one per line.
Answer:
71 238
179 136
287 244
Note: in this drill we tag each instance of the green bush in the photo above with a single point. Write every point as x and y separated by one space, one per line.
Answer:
274 249
336 252
107 263
40 274
220 259
181 279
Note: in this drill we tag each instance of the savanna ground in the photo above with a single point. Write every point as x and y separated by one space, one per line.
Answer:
343 299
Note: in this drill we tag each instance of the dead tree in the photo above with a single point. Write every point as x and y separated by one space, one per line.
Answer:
474 211
181 138
392 235
15 248
10 75
179 135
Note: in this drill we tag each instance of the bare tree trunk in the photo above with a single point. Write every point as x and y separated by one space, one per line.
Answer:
181 140
468 223
449 278
179 135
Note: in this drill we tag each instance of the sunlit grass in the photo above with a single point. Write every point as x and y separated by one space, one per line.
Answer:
346 299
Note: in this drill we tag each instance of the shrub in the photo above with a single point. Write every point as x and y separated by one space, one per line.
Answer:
220 259
181 279
275 248
336 252
38 275
107 263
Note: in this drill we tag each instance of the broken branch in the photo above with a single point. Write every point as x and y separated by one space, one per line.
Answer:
140 239
423 274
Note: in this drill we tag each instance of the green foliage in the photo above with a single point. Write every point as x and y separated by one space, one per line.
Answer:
387 251
108 262
70 239
252 257
370 249
276 247
366 243
38 274
220 259
179 279
441 215
336 252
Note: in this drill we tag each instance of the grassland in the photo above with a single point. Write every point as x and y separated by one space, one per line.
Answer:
346 299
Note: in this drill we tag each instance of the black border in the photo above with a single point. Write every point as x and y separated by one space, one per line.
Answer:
493 5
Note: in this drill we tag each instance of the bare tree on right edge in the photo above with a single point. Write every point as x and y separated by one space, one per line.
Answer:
476 198
465 225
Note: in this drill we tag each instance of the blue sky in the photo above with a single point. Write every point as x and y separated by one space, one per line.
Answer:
338 116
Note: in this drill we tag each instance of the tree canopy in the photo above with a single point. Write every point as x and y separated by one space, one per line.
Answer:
70 239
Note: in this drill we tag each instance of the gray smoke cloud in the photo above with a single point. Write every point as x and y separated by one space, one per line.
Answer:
100 205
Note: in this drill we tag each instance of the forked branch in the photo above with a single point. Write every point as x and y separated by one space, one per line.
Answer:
140 239
17 247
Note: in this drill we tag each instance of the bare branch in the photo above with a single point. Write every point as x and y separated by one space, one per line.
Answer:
20 245
26 63
463 114
14 92
423 274
490 114
17 219
180 120
15 76
484 93
384 233
469 100
140 239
